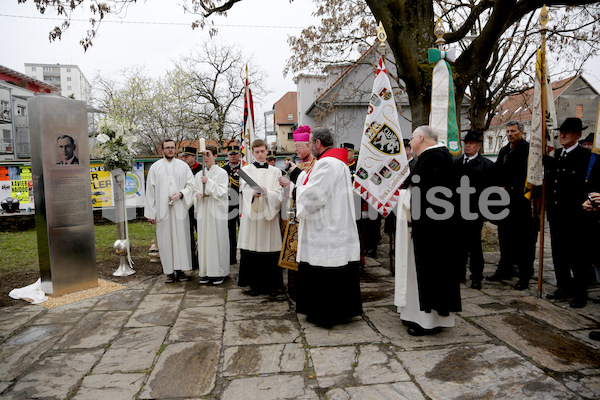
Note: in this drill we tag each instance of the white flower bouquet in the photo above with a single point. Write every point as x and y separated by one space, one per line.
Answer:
116 139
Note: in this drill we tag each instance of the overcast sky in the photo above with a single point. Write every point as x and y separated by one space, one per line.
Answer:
153 35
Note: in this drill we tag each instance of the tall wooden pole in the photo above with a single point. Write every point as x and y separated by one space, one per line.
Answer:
543 83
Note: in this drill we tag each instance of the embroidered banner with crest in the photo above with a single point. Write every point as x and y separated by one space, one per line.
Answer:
382 165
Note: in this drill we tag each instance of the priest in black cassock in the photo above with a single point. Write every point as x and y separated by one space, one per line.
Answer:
427 284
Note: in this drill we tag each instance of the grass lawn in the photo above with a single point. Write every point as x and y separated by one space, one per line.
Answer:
18 250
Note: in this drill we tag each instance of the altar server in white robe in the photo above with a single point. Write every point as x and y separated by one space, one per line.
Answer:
169 195
259 237
328 290
211 206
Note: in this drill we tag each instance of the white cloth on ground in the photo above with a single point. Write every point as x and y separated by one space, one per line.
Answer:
32 293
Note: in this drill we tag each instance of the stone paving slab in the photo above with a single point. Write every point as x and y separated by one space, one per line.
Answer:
19 352
133 351
554 349
548 312
122 300
83 306
155 310
588 386
96 329
257 309
277 387
113 386
160 287
378 364
334 365
200 298
268 359
480 372
67 317
356 331
389 324
393 391
55 376
260 332
184 370
198 324
483 305
13 318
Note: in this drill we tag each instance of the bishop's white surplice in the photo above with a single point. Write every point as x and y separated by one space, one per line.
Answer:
166 178
211 214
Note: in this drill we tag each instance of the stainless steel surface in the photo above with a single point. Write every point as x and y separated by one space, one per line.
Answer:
121 246
62 192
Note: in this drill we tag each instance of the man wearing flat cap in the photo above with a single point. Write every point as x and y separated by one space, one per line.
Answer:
476 169
566 190
232 167
190 156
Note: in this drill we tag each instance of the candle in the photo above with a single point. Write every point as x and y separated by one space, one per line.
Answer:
202 146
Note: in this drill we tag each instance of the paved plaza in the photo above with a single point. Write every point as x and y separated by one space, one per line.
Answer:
187 341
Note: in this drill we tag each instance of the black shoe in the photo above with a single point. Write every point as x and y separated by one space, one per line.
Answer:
578 302
522 285
181 276
595 335
251 292
559 295
497 277
416 330
171 278
476 285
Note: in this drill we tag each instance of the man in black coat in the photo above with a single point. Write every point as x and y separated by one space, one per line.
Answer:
432 228
476 168
566 191
190 156
517 233
232 168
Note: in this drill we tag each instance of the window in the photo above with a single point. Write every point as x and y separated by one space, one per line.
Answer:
68 79
48 69
579 111
68 69
290 135
6 138
33 68
69 88
21 111
290 117
49 79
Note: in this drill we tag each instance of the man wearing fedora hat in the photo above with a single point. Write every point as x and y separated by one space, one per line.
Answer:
190 156
477 169
566 190
588 142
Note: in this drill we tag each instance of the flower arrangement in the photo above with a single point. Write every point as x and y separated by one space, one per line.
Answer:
116 139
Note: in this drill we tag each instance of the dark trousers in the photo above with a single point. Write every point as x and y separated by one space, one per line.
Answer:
517 235
193 240
470 247
568 235
260 271
233 224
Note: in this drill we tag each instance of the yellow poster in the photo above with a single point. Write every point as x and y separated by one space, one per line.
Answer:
20 191
101 189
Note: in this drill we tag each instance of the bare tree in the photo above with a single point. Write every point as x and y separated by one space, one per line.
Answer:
479 25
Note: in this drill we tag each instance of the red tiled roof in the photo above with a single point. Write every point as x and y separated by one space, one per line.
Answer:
286 105
518 106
